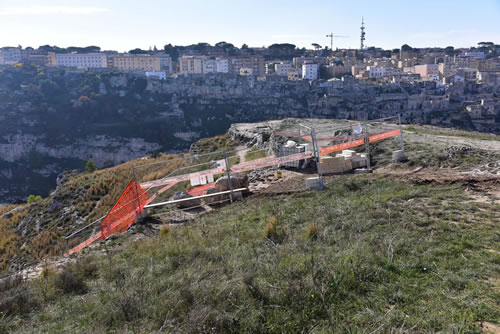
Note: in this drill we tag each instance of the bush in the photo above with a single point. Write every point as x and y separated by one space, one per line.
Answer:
16 297
312 231
90 167
271 230
165 231
68 282
33 199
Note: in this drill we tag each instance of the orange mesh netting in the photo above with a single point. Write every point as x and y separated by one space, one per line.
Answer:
202 190
125 211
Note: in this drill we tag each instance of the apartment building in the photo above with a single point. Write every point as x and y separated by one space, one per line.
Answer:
9 56
447 69
81 60
428 71
40 60
137 62
283 68
256 63
310 70
191 64
219 65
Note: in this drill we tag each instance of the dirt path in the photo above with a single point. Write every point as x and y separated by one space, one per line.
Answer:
242 151
488 145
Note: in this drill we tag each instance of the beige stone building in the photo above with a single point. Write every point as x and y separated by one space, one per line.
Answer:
256 63
136 62
191 64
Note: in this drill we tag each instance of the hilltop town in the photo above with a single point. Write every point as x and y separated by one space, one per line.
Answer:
422 84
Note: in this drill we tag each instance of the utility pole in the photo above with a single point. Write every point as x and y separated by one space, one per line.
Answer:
362 46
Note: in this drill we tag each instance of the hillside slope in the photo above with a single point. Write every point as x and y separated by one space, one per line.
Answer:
410 248
368 253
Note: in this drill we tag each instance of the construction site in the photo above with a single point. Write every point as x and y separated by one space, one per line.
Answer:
277 226
295 157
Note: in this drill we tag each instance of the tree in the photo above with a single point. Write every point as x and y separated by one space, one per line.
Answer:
244 46
406 47
282 47
316 46
449 50
49 88
137 51
486 44
172 51
33 199
90 167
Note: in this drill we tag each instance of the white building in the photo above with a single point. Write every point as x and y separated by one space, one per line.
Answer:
283 68
9 56
159 75
310 70
215 65
376 71
475 54
222 65
81 60
209 66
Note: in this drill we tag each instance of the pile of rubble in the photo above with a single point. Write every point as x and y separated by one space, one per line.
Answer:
452 151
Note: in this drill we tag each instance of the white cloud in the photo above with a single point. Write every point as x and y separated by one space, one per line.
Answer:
51 10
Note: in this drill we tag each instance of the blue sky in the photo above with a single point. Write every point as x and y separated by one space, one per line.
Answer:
125 24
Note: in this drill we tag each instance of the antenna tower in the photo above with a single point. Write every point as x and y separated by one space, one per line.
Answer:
362 33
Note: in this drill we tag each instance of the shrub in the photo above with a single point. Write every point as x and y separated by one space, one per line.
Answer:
271 231
155 155
165 230
33 199
312 231
86 268
68 282
17 298
90 167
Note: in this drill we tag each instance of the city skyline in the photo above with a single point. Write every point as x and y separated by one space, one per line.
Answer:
124 25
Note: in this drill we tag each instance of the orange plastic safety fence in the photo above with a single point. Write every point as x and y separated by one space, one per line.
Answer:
201 190
125 211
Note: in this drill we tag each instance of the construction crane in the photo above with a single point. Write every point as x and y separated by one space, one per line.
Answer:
331 36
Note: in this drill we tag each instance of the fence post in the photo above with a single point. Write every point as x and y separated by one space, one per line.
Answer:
401 133
317 157
367 144
138 201
228 173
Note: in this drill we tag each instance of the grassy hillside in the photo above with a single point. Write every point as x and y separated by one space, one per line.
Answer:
367 255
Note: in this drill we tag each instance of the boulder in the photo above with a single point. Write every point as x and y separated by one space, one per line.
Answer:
185 204
215 199
7 215
237 181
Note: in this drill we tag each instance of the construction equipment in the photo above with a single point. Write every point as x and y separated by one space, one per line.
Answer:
331 36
